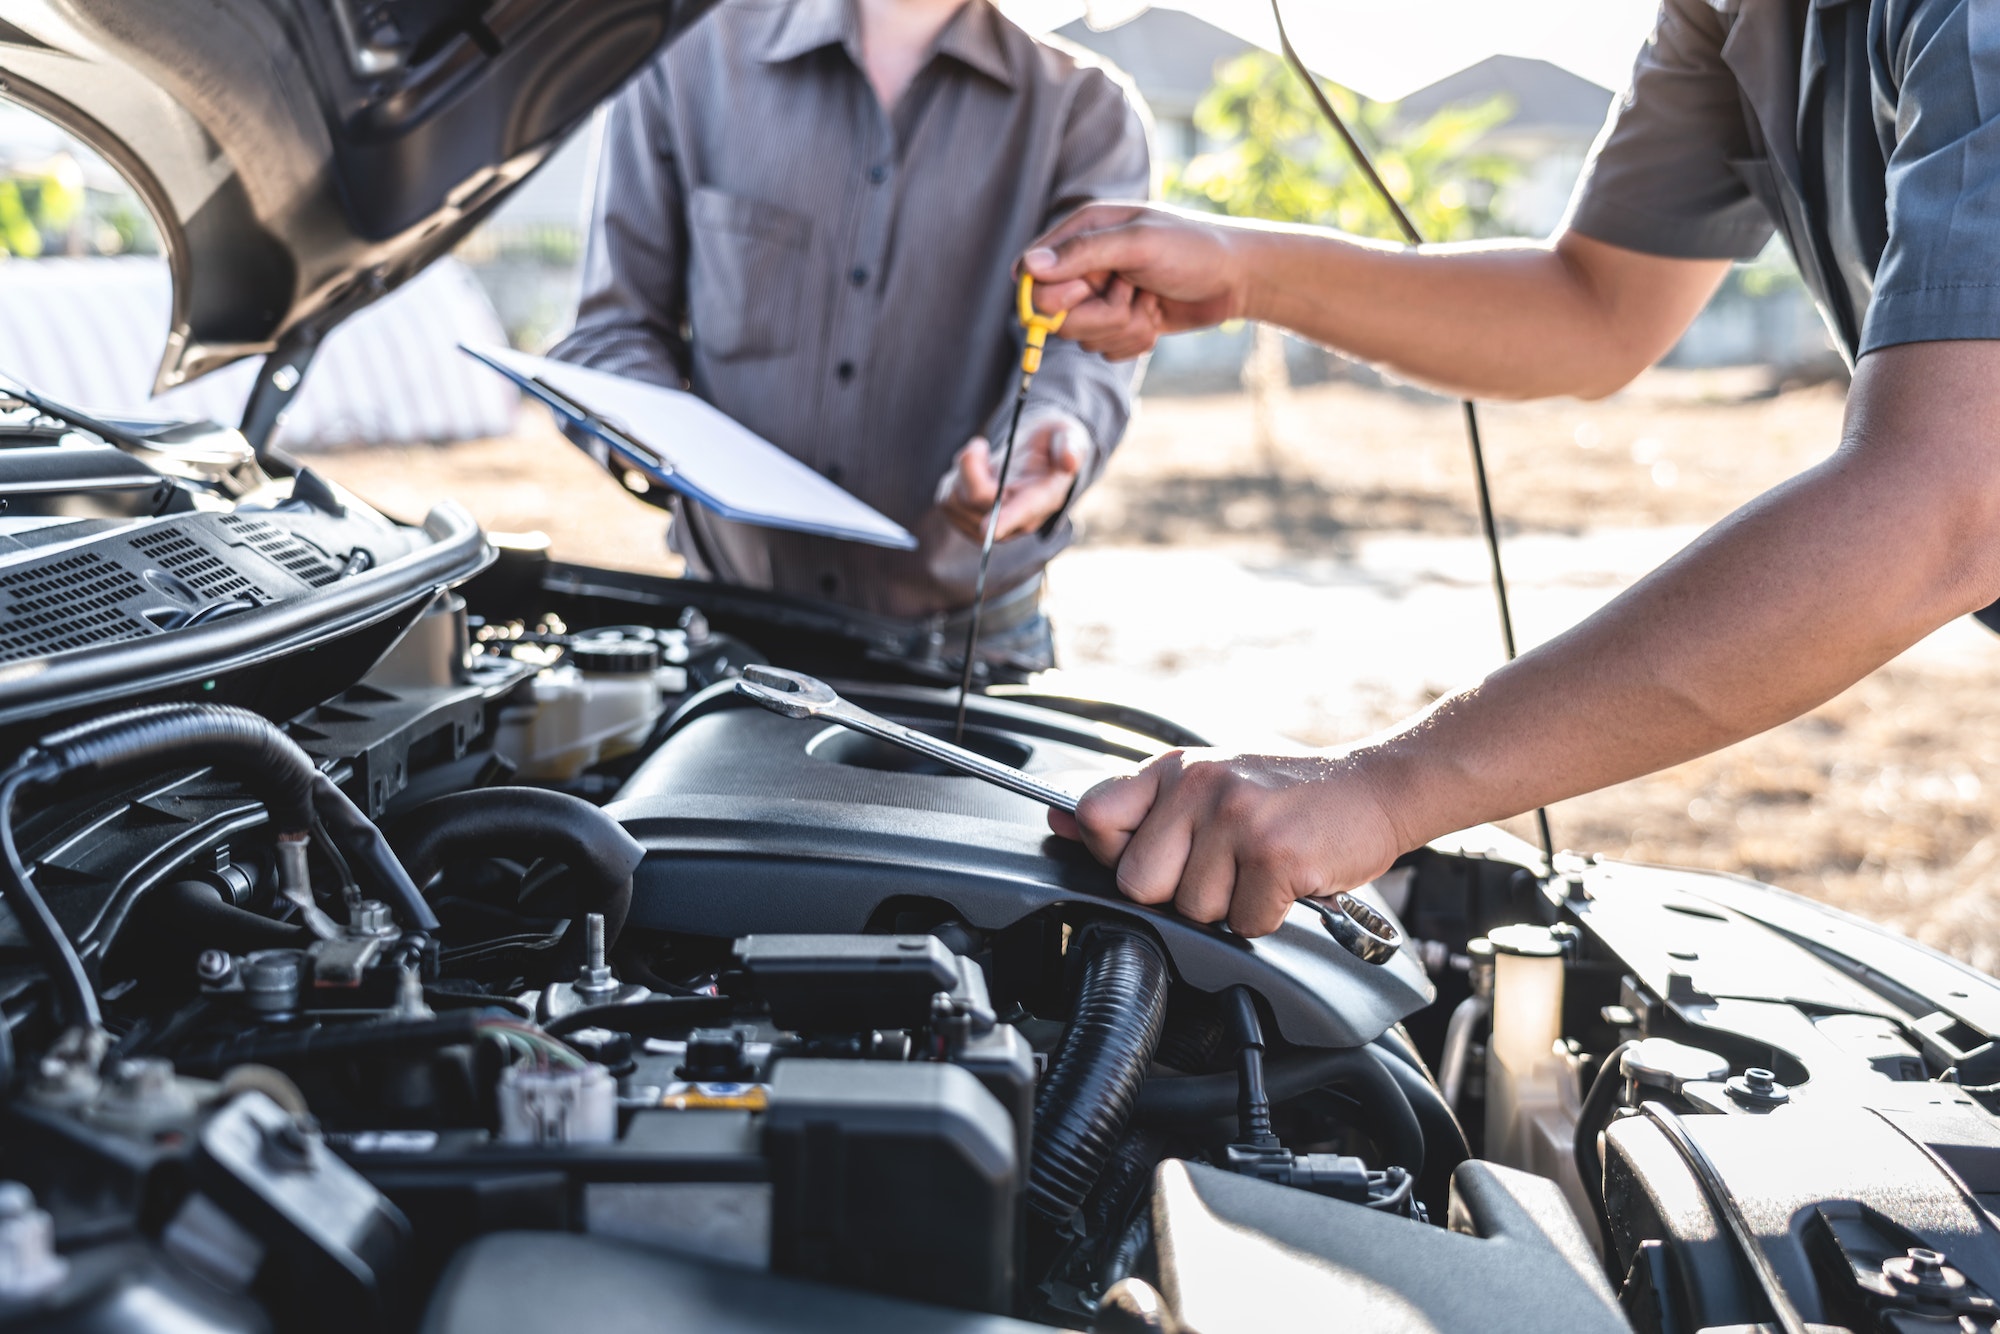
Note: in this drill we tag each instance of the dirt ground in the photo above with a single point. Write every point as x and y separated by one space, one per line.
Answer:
1876 802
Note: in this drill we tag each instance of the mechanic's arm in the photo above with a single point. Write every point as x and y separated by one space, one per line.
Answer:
633 302
1775 610
1081 402
1481 320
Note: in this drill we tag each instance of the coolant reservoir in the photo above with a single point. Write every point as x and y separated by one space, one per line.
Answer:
1531 1093
600 703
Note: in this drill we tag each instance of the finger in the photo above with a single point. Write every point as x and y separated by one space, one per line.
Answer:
1110 250
1064 823
1109 812
1054 298
1119 295
1091 217
1028 506
1149 870
1209 878
977 484
968 523
1125 338
1261 900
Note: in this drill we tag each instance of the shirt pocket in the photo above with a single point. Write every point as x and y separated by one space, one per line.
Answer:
746 268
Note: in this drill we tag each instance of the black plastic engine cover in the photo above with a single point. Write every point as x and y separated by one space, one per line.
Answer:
753 822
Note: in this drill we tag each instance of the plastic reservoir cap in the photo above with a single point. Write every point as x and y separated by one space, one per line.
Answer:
1534 942
615 655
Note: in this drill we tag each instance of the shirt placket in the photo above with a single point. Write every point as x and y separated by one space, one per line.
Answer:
871 209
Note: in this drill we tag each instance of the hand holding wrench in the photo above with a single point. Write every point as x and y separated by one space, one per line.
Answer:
1360 929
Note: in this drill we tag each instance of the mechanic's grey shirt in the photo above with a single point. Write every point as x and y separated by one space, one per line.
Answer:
838 279
1867 131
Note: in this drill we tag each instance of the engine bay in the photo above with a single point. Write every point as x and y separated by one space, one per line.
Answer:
486 962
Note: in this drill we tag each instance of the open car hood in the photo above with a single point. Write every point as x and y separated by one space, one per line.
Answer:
303 157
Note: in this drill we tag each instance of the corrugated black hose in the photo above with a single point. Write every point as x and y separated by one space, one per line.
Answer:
1087 1098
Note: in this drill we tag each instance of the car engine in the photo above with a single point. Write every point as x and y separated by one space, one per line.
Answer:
409 930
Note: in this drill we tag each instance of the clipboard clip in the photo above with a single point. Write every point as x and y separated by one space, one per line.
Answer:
638 456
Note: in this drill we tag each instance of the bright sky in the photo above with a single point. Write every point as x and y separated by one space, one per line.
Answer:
1387 48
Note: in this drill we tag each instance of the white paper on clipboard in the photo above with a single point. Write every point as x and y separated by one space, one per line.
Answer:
697 451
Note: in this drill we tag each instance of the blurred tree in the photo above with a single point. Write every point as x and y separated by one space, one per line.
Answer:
39 207
1276 159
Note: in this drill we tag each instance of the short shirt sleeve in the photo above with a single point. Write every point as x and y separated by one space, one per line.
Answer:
1670 174
1939 278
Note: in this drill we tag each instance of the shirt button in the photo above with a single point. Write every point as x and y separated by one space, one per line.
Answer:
858 277
845 371
877 174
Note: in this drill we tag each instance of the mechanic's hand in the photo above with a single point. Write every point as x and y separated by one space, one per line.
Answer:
1237 837
1047 458
1127 273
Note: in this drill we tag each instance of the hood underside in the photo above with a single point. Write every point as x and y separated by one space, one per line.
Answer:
303 157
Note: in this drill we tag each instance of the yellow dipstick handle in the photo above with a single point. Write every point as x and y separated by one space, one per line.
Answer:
1038 325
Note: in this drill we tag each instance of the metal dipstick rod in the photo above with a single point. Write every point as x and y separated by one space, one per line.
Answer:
1039 327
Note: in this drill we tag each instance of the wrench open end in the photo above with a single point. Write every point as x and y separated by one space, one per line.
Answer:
793 694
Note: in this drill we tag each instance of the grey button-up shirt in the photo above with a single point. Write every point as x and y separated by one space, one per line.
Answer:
1867 131
838 279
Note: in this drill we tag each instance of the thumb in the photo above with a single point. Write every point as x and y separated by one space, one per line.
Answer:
1111 812
975 470
1106 251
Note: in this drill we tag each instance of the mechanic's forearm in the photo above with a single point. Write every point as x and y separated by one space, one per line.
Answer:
1509 320
1785 604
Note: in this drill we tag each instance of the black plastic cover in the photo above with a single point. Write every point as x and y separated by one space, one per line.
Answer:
535 1282
752 824
847 984
900 1177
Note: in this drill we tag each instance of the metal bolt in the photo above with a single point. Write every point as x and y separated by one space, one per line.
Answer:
214 967
143 1077
596 978
1925 1274
271 980
369 917
289 1146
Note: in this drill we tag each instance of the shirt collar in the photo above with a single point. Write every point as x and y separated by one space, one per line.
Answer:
972 37
805 26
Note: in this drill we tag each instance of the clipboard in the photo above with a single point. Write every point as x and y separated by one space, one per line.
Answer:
713 460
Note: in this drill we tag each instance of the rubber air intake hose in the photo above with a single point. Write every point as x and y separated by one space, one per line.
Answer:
252 748
167 735
524 824
1087 1098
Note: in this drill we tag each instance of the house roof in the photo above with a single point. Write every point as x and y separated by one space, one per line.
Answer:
1546 97
1171 56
